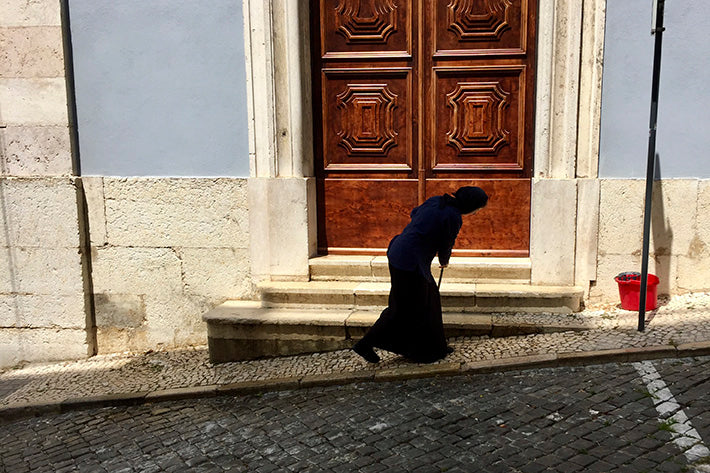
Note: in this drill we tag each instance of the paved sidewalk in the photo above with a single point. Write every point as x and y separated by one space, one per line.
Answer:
678 328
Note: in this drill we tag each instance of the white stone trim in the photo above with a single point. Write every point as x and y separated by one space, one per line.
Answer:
543 92
293 92
33 102
277 41
568 108
553 223
281 188
559 53
587 166
590 88
587 236
258 44
568 103
21 13
281 244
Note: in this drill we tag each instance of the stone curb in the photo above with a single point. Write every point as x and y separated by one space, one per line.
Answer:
330 379
106 400
177 394
508 364
694 349
249 387
418 371
20 411
15 412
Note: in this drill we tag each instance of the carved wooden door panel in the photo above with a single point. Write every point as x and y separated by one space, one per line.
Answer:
415 98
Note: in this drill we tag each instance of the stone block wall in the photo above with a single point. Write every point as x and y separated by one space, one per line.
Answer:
680 234
164 251
43 312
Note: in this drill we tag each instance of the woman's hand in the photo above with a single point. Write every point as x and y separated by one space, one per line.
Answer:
442 266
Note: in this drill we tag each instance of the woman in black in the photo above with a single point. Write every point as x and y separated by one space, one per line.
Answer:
411 325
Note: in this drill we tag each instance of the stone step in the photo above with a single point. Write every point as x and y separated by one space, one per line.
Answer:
455 297
243 330
375 269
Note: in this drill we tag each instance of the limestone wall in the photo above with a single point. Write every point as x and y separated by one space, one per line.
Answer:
42 299
680 234
164 251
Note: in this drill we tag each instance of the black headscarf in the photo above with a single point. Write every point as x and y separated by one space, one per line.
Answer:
467 199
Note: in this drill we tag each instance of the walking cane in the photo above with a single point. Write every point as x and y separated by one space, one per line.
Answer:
441 274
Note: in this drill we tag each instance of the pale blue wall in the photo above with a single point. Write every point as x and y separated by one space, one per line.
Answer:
683 139
160 87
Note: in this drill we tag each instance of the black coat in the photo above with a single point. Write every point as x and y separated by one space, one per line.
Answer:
432 230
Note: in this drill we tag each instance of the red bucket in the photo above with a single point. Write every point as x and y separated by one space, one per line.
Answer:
630 290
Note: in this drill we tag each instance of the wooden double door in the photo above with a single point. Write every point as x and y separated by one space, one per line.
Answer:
415 98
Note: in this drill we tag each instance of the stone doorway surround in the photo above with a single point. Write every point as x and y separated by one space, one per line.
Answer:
565 190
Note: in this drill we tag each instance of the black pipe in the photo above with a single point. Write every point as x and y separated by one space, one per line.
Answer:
651 164
70 86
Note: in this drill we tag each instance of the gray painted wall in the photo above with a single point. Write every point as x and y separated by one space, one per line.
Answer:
683 140
160 87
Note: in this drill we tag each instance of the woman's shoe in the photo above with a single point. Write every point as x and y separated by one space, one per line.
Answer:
366 352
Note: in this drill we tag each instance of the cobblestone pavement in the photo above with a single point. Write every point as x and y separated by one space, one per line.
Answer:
600 418
681 320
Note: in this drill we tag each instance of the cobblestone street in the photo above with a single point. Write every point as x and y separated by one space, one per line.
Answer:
593 419
680 327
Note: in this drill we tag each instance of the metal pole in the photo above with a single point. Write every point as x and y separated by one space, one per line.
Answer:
651 164
441 274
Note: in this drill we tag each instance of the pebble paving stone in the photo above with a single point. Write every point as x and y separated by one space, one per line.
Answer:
551 419
680 320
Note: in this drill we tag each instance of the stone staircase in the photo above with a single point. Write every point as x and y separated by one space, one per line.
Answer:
345 295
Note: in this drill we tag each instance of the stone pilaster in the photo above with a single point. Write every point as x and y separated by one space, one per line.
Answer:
282 201
43 304
565 202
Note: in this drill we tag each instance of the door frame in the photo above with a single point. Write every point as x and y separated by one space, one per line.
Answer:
562 240
421 62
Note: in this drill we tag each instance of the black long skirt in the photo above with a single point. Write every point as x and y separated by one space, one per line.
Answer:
411 325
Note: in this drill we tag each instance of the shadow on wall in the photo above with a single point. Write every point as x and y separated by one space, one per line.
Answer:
662 250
